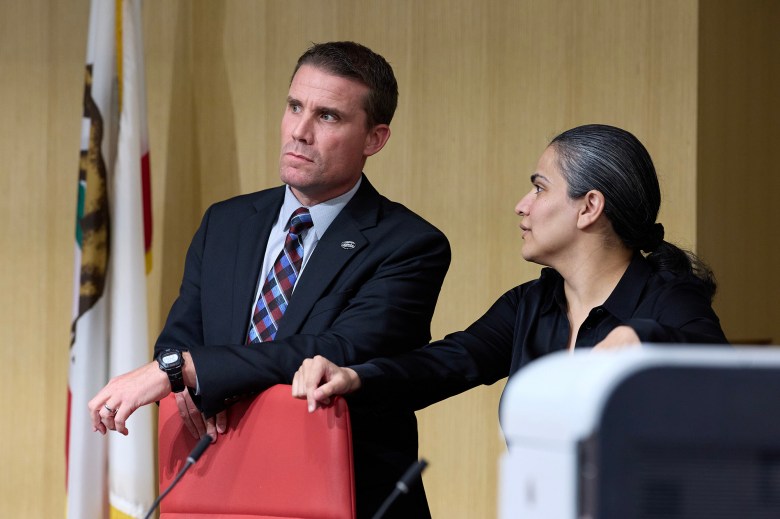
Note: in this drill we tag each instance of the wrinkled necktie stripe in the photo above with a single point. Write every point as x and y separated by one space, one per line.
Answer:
280 281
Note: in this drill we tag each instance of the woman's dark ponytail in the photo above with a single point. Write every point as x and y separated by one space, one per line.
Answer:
614 162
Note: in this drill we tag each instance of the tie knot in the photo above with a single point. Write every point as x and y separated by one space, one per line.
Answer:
300 221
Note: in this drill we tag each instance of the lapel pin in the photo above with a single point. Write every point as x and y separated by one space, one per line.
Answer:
348 244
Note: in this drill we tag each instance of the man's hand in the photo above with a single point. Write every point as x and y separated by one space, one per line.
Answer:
337 381
620 337
194 420
113 404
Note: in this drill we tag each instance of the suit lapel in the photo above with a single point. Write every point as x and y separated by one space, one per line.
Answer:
253 236
343 240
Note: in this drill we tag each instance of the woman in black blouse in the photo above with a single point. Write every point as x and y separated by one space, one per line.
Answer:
611 281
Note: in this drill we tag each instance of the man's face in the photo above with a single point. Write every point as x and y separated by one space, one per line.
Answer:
325 140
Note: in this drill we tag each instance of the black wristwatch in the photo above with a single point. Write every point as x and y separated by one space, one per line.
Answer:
172 363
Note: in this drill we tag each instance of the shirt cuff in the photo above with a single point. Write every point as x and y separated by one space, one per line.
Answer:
648 330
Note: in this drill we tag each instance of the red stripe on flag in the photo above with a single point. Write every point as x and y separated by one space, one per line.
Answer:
146 193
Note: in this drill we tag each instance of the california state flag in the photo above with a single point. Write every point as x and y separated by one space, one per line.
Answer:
111 476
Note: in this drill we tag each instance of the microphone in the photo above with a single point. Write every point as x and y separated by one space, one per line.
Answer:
198 451
402 485
194 456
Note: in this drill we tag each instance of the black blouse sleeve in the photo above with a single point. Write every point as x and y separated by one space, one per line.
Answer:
479 355
680 313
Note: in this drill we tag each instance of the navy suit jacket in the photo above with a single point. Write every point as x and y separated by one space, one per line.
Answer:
369 290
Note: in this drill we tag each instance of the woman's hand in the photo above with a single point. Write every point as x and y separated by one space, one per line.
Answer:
318 379
620 337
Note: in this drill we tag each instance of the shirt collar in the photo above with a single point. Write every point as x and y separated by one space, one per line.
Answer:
322 214
551 276
623 299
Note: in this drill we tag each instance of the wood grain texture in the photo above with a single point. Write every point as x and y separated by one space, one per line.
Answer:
42 62
484 86
739 179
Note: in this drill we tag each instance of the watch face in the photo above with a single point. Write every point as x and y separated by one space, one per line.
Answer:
170 358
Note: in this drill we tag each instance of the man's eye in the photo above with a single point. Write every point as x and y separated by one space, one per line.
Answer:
295 108
328 117
537 188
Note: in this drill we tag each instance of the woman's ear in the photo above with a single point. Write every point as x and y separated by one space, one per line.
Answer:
591 209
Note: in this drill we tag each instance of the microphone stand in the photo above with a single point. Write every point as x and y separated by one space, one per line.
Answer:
191 459
402 486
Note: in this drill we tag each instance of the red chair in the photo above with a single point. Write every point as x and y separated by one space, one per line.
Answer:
276 461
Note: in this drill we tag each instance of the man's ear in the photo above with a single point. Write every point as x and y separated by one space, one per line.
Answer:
591 209
376 139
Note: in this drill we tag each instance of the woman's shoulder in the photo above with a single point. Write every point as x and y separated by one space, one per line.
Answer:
665 282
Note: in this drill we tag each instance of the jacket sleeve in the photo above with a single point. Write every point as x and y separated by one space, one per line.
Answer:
386 311
184 324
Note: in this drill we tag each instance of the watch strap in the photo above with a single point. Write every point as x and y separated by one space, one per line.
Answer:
174 371
177 380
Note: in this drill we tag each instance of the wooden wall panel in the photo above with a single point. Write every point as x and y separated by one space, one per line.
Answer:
483 89
739 176
484 86
41 83
176 188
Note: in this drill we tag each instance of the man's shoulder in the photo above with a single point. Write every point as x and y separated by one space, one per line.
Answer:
372 209
396 211
399 226
249 201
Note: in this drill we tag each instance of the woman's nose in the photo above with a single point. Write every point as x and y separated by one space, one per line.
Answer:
522 207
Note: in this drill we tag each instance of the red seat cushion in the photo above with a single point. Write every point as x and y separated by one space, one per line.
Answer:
276 461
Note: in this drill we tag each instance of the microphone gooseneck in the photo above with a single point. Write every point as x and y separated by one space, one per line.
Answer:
197 452
194 456
409 477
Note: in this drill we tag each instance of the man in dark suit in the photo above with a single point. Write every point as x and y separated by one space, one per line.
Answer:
358 279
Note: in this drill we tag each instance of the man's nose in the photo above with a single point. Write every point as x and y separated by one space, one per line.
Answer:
303 130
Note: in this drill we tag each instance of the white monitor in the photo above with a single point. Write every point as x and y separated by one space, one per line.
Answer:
658 432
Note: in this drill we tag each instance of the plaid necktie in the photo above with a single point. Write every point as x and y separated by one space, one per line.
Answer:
278 285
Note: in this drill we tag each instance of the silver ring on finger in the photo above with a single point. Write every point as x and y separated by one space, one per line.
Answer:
112 411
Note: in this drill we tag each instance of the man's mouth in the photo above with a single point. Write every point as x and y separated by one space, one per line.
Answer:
298 156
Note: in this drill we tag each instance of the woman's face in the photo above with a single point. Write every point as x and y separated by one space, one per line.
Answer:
549 216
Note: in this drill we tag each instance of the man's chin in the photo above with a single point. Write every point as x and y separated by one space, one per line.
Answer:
295 176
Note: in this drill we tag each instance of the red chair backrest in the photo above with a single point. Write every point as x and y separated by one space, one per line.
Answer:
276 461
